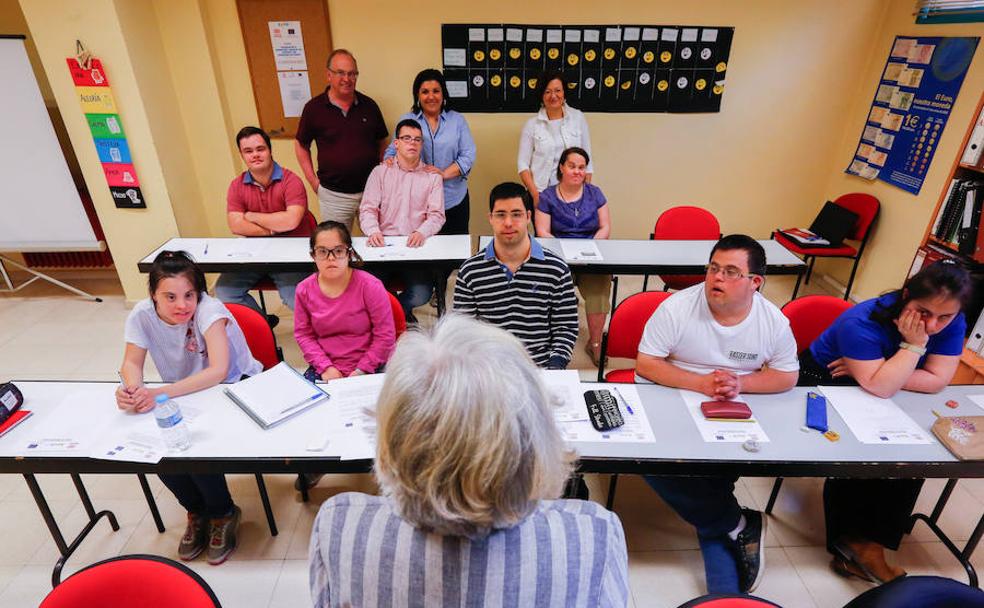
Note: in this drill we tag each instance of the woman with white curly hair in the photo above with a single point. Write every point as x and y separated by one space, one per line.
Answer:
470 462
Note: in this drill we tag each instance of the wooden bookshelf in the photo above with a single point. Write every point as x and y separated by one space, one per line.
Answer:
971 368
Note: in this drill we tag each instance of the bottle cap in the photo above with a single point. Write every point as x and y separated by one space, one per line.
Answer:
159 399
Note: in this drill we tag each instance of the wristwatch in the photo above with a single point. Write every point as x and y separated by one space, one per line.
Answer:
919 350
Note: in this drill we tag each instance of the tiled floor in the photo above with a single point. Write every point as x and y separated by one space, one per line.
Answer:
47 333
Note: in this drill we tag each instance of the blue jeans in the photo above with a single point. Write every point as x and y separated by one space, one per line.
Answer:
203 495
234 286
709 505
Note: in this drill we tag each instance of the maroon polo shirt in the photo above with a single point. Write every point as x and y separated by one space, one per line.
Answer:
285 190
348 144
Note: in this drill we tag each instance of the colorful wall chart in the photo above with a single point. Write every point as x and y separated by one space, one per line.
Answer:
610 68
96 99
913 101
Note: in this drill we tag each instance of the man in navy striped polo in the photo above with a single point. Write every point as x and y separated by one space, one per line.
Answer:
518 285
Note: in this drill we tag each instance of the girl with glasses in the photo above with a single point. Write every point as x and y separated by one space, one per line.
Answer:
343 321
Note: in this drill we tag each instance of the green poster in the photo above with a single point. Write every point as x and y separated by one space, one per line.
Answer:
105 126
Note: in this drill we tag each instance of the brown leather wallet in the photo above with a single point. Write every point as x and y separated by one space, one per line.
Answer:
728 410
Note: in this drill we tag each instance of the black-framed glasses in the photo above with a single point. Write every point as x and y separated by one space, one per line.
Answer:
411 139
731 273
324 253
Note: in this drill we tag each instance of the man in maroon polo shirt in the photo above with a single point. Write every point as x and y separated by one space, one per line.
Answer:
266 200
351 137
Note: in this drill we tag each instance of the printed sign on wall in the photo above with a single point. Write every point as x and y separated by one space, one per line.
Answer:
912 103
96 99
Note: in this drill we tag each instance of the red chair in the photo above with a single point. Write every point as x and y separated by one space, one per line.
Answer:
866 207
719 600
625 332
259 337
133 581
266 283
399 319
808 317
622 340
684 223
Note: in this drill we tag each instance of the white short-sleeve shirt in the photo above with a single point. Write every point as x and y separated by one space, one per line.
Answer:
179 350
683 331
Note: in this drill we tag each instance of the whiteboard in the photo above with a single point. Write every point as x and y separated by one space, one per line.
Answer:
40 209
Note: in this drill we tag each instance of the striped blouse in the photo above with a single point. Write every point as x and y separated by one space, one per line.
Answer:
536 304
567 553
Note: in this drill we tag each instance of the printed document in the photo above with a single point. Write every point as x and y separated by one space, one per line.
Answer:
722 431
873 419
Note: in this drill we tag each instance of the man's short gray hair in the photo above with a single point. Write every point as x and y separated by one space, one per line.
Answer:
467 440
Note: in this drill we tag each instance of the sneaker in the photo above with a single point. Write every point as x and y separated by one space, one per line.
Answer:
863 559
306 481
273 321
750 551
222 537
194 540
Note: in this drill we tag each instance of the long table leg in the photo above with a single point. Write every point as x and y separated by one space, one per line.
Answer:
151 503
66 551
932 523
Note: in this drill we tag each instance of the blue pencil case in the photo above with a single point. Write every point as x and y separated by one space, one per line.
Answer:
816 411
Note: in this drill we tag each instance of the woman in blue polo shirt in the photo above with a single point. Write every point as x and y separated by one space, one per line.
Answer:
909 339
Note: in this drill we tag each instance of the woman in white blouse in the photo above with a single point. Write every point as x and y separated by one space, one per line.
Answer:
556 127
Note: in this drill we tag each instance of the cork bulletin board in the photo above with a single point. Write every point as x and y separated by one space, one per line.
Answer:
287 43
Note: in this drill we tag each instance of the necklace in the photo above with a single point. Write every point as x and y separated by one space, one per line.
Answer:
576 206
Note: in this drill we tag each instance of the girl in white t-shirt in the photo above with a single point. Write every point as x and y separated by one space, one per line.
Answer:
195 344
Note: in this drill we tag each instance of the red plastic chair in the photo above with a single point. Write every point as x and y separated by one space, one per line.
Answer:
719 600
132 581
259 336
625 332
399 319
809 317
622 340
266 283
684 223
866 207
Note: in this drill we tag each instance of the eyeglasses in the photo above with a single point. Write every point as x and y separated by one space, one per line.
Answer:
340 73
411 139
731 273
323 253
516 216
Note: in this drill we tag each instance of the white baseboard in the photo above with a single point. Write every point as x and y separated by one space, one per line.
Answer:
836 286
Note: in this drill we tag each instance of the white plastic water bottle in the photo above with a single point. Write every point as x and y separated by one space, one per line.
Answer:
172 424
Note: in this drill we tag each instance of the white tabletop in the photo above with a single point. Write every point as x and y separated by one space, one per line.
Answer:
296 250
86 411
652 256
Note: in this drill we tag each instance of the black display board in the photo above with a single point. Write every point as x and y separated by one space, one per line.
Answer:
610 68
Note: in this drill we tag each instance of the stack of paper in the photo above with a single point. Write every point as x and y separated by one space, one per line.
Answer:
275 395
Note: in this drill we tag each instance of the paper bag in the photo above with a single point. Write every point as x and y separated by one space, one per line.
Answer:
962 435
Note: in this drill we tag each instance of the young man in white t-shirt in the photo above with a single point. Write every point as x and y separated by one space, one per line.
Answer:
720 338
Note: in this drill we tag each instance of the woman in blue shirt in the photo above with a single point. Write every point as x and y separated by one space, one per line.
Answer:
448 148
907 339
575 209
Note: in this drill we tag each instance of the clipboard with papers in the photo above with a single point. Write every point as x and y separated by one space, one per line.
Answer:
276 395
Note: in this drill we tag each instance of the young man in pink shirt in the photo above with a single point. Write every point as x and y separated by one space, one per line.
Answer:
266 200
404 198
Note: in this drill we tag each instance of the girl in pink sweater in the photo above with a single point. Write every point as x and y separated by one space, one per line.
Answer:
343 321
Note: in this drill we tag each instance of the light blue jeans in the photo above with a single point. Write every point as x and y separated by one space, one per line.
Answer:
234 287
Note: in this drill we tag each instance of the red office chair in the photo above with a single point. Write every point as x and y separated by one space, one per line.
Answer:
266 283
259 337
399 319
684 223
866 207
133 581
625 332
719 600
808 317
622 340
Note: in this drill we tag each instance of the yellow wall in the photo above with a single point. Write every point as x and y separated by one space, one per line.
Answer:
904 216
800 79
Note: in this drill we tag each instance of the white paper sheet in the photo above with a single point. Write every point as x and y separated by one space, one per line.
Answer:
978 399
873 419
715 431
580 250
295 91
136 447
565 389
288 45
635 430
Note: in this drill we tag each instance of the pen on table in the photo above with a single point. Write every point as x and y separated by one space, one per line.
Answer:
206 248
123 382
304 401
619 394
